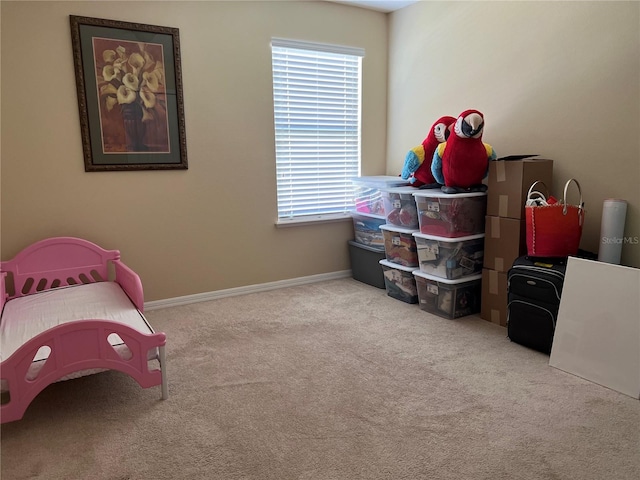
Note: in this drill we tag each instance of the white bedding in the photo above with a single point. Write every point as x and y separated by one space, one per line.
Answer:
25 317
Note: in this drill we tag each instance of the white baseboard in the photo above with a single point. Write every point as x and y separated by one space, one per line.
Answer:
231 292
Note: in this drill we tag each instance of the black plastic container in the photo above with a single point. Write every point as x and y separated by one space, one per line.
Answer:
365 266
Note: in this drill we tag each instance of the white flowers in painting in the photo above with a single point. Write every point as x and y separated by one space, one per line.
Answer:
132 76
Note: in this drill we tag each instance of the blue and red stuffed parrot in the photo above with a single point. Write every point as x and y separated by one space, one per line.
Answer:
462 161
416 169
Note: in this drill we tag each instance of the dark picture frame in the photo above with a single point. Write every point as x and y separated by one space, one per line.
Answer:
130 99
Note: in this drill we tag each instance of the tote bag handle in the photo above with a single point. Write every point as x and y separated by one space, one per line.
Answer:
564 199
534 194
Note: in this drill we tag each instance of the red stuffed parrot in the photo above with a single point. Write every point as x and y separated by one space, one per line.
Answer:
415 165
438 134
462 161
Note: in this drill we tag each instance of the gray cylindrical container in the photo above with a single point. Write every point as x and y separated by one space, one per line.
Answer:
614 212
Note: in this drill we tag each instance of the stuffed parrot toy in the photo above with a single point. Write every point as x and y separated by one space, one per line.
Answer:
462 161
415 168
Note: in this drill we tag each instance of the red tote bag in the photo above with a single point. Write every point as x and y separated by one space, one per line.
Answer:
553 229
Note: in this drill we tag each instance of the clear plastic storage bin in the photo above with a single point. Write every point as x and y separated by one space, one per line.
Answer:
400 207
399 282
368 195
400 245
450 258
451 215
449 298
367 229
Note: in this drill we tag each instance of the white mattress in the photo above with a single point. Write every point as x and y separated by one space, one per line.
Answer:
25 317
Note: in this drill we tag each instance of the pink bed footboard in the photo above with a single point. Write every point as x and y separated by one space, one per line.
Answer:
3 290
130 283
76 347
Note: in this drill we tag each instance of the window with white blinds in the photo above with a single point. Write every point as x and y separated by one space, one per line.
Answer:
316 97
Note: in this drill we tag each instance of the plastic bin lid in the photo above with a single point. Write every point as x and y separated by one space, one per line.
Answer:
447 239
406 189
440 194
470 278
379 181
395 228
369 248
368 215
389 264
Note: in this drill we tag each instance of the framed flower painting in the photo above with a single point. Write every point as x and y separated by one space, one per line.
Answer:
129 83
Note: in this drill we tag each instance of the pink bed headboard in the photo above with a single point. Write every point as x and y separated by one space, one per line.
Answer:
55 262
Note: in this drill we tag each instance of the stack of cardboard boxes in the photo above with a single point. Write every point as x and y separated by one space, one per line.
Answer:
505 238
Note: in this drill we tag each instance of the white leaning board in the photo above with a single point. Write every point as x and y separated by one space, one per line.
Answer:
597 335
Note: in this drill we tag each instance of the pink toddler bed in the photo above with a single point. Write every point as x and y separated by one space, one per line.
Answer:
62 318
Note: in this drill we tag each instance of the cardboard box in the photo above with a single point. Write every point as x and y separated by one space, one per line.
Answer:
509 182
494 297
504 241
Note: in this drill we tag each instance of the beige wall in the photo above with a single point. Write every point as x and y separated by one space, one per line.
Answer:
560 79
210 227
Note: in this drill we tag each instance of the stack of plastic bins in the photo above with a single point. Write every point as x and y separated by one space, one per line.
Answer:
450 247
401 256
401 259
367 248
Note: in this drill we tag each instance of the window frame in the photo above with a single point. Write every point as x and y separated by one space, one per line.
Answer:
345 213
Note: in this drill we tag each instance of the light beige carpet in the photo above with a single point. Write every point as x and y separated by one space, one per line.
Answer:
329 381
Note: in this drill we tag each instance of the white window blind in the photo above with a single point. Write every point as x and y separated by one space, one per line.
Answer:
316 96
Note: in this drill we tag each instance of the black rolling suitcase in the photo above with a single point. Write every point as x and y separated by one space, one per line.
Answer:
534 288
